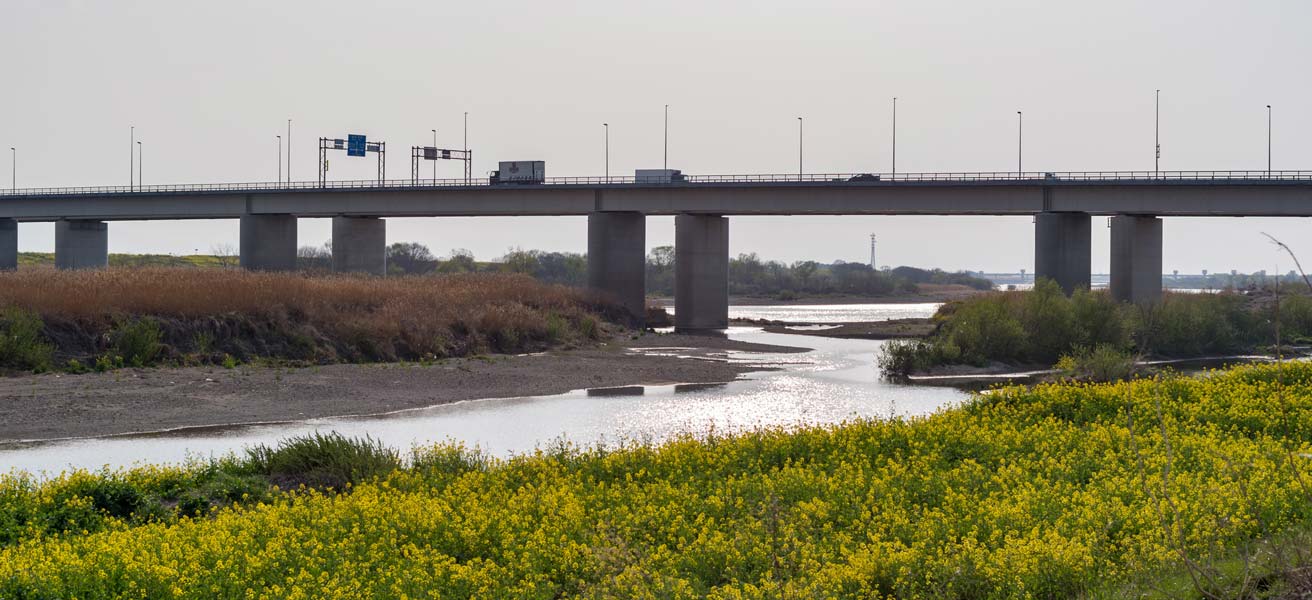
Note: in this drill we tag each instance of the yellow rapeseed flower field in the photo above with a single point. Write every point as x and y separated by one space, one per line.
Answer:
1057 491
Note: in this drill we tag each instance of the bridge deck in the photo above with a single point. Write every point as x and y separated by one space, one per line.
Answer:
1174 193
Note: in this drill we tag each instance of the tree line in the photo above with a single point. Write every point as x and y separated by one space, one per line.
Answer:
749 275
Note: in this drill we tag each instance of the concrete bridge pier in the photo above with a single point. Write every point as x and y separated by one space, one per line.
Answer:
8 244
701 272
1062 249
81 244
617 258
360 245
268 242
1136 259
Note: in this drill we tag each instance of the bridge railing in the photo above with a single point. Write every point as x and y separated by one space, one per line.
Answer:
626 180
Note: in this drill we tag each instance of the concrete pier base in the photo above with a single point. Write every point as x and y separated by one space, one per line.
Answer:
268 242
81 244
1136 259
360 245
1062 249
701 272
8 244
617 258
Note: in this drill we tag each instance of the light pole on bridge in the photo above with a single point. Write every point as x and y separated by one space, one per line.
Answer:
279 158
289 151
1268 140
799 148
606 126
894 137
132 141
434 149
140 159
1156 133
1020 142
665 161
13 168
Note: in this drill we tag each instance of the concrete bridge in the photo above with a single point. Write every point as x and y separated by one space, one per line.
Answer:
1062 205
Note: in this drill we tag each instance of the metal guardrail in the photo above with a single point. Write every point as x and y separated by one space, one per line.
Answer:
828 178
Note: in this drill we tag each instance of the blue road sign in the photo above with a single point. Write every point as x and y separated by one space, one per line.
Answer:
355 145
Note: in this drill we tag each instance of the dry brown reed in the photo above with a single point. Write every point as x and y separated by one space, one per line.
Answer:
361 317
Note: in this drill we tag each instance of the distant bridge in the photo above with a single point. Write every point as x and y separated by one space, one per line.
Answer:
1062 204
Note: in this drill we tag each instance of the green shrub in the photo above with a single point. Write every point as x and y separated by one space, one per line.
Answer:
138 342
23 344
322 460
986 329
557 328
1101 364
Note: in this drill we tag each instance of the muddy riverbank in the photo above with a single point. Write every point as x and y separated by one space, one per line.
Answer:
51 406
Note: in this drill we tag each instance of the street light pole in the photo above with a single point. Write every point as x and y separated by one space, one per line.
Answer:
279 158
665 162
434 160
1268 140
607 127
132 141
141 158
799 148
289 151
13 168
1020 142
1157 132
894 136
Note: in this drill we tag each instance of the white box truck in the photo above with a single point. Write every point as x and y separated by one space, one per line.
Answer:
519 171
658 176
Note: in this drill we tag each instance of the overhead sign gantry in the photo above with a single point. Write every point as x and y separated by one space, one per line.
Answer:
354 145
418 153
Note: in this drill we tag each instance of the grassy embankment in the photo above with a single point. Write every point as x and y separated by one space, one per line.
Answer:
1178 487
119 317
1090 335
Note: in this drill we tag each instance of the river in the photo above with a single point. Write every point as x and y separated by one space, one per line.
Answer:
836 381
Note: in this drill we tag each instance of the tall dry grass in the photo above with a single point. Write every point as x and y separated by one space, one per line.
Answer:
313 316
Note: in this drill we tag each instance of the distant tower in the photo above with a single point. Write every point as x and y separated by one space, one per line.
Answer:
873 265
1022 275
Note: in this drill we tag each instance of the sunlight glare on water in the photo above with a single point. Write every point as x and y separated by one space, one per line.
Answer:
836 381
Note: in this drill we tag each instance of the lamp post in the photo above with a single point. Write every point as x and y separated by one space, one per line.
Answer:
606 126
1157 132
13 168
1268 140
435 150
467 170
665 161
895 137
279 158
132 141
140 159
1020 142
799 148
289 151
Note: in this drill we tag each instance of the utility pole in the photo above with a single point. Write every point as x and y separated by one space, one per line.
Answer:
894 150
1157 132
872 252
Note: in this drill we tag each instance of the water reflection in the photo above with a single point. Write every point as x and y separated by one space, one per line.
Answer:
837 381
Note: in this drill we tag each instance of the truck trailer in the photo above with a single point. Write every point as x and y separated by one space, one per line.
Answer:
519 171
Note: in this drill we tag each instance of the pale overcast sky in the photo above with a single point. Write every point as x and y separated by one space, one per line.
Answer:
209 84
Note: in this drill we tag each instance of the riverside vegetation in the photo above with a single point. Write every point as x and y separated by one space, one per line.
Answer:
139 317
1164 487
1088 333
